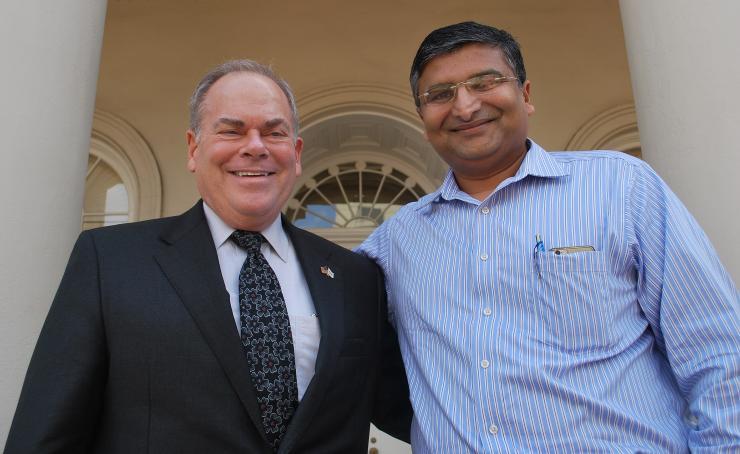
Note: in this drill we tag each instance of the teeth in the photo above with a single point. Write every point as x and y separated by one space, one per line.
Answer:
251 174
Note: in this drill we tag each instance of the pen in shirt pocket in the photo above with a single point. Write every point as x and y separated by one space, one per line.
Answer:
539 247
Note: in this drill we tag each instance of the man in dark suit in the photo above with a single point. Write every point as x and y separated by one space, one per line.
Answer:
224 329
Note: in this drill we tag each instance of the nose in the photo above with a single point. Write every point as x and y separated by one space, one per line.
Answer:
465 104
253 146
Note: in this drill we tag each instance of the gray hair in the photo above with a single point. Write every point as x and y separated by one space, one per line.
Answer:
232 66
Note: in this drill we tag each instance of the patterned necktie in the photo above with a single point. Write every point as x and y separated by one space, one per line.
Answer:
266 338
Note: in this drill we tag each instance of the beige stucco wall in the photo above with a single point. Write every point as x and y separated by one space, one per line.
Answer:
155 52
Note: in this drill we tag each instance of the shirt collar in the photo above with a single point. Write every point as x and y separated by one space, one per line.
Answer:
537 162
274 233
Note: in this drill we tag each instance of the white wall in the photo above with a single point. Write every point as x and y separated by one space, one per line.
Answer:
50 53
683 58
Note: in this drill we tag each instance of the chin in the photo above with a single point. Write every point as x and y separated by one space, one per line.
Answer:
256 212
475 154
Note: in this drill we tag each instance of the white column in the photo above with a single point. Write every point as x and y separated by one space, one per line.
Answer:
683 57
50 55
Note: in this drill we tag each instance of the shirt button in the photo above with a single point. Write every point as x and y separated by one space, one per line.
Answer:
485 210
484 364
692 420
487 311
484 257
493 429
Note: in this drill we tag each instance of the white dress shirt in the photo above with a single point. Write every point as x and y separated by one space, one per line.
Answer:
280 254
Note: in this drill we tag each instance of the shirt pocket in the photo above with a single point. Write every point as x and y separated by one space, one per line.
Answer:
570 294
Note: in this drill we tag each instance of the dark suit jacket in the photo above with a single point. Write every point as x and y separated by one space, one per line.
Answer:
139 353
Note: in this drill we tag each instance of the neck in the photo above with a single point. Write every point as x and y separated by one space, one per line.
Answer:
481 186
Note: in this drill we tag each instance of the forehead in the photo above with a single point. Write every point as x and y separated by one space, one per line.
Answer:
464 63
244 93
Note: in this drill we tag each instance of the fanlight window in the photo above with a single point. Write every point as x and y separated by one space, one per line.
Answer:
106 197
351 195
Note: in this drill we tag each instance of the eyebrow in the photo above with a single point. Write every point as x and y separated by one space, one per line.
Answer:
494 72
236 123
233 122
275 122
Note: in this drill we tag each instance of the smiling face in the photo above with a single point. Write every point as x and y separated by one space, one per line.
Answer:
481 136
246 158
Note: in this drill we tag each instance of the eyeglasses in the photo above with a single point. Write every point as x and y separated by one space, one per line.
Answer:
442 94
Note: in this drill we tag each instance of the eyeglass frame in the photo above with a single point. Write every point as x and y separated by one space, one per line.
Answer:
499 79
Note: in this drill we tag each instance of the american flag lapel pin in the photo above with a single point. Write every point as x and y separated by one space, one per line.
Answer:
325 270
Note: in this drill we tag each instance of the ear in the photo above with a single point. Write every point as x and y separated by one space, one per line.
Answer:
528 106
192 149
418 111
298 151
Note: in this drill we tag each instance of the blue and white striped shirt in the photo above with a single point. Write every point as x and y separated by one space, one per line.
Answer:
631 347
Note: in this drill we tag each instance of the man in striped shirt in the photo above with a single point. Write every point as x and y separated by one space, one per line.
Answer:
550 302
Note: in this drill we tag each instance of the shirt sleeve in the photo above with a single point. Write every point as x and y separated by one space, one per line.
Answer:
376 247
393 412
692 306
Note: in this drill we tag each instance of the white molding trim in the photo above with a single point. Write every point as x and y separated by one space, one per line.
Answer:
121 146
612 129
325 103
376 133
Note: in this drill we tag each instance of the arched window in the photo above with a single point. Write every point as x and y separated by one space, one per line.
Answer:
363 160
352 194
123 182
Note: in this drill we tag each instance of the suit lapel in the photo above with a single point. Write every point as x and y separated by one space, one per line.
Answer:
190 262
327 295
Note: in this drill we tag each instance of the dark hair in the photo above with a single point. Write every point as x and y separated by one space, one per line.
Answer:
448 39
232 66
